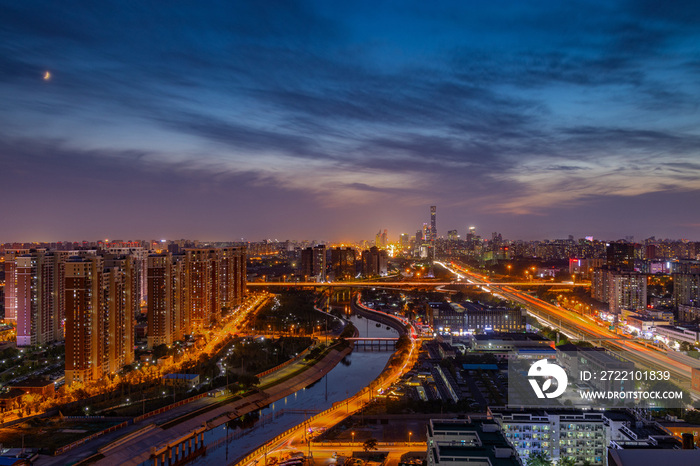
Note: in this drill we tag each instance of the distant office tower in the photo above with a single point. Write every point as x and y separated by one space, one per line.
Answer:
374 262
471 235
343 263
627 290
405 240
452 235
433 223
620 256
313 263
419 237
85 323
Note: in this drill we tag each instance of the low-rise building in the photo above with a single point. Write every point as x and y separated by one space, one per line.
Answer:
187 380
45 388
499 342
686 333
458 442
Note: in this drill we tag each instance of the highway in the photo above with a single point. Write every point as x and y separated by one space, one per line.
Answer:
578 327
402 284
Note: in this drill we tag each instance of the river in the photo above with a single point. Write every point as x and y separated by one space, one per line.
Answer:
355 372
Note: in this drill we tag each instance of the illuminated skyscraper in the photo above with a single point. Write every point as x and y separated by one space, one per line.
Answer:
433 223
85 323
160 302
38 289
214 279
125 274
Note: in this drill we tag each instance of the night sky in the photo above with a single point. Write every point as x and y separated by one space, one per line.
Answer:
330 120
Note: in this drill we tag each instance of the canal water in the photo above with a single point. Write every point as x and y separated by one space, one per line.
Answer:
354 373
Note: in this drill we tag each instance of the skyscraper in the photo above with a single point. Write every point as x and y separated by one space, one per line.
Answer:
38 291
125 275
214 279
343 263
433 223
160 303
620 256
85 323
313 263
374 262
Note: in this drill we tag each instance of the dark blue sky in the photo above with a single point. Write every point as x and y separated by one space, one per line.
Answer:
331 120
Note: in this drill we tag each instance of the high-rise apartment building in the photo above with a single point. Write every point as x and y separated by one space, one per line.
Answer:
11 283
686 288
38 292
126 271
313 263
160 302
139 255
620 256
626 290
85 322
343 263
114 320
374 262
201 282
214 279
102 294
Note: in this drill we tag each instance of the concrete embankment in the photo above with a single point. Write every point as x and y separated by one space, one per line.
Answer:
138 449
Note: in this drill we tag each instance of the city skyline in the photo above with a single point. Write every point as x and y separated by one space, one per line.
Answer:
329 121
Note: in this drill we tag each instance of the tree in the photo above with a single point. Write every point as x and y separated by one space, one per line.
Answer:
567 461
403 342
538 458
248 380
370 444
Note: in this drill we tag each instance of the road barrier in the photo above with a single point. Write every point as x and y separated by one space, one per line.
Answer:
170 406
284 364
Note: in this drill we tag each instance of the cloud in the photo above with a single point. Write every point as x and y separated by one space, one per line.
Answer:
491 110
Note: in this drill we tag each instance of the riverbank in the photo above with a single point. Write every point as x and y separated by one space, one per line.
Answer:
137 450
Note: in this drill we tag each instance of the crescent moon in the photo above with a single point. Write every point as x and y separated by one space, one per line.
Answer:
47 76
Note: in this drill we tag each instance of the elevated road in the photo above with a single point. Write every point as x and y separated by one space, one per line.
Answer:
402 284
581 328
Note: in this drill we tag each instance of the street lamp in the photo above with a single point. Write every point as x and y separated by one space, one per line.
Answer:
409 436
353 439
